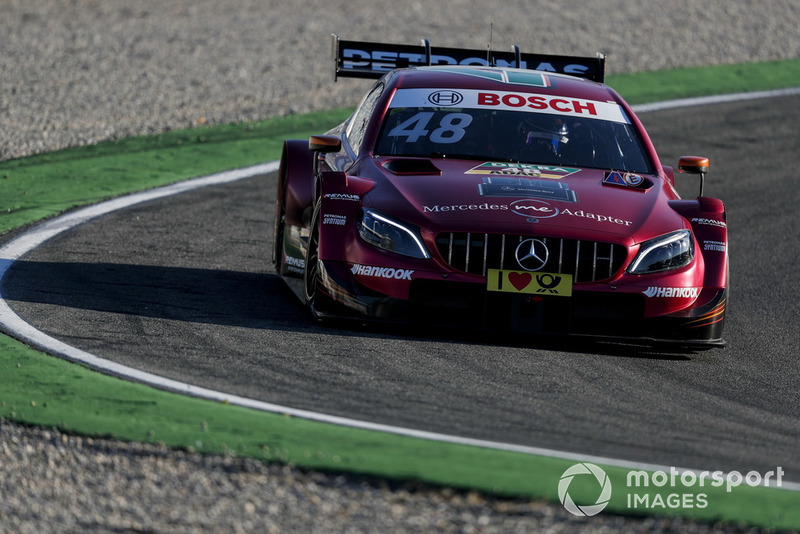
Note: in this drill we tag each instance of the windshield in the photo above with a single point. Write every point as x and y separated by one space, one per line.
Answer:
514 136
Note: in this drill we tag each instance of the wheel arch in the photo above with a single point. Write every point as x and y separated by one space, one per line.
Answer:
296 182
708 220
294 194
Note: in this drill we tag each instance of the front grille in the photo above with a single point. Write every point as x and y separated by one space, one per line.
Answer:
586 261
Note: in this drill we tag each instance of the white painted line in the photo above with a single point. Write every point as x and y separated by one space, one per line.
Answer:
714 99
16 327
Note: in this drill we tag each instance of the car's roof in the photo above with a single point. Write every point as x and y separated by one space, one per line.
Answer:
501 79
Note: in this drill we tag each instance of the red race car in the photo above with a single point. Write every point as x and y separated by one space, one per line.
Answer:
498 190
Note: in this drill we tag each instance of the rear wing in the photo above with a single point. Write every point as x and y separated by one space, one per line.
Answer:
361 59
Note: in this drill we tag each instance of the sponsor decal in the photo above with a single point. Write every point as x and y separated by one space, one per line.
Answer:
627 179
633 180
573 107
342 196
389 58
465 207
382 272
525 187
378 60
513 101
540 102
529 170
717 246
614 178
335 220
672 292
709 222
597 217
445 98
294 265
553 284
533 209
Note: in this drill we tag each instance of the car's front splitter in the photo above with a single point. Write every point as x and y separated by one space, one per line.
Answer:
432 301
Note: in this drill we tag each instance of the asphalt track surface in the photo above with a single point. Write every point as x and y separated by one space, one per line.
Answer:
183 287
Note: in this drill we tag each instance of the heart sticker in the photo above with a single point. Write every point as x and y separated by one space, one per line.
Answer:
520 280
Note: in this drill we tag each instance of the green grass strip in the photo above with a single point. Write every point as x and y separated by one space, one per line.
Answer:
40 390
645 87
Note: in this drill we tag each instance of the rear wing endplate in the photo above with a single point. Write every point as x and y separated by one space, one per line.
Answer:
361 59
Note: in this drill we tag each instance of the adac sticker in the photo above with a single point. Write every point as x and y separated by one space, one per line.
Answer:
527 170
614 178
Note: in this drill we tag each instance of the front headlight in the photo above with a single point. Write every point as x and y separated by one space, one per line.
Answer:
670 251
391 235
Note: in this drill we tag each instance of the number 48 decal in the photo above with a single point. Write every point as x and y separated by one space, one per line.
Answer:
451 128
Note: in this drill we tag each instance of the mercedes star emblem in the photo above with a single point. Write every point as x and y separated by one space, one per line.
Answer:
532 254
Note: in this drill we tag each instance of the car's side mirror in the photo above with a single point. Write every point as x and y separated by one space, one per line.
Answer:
694 165
324 143
321 145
